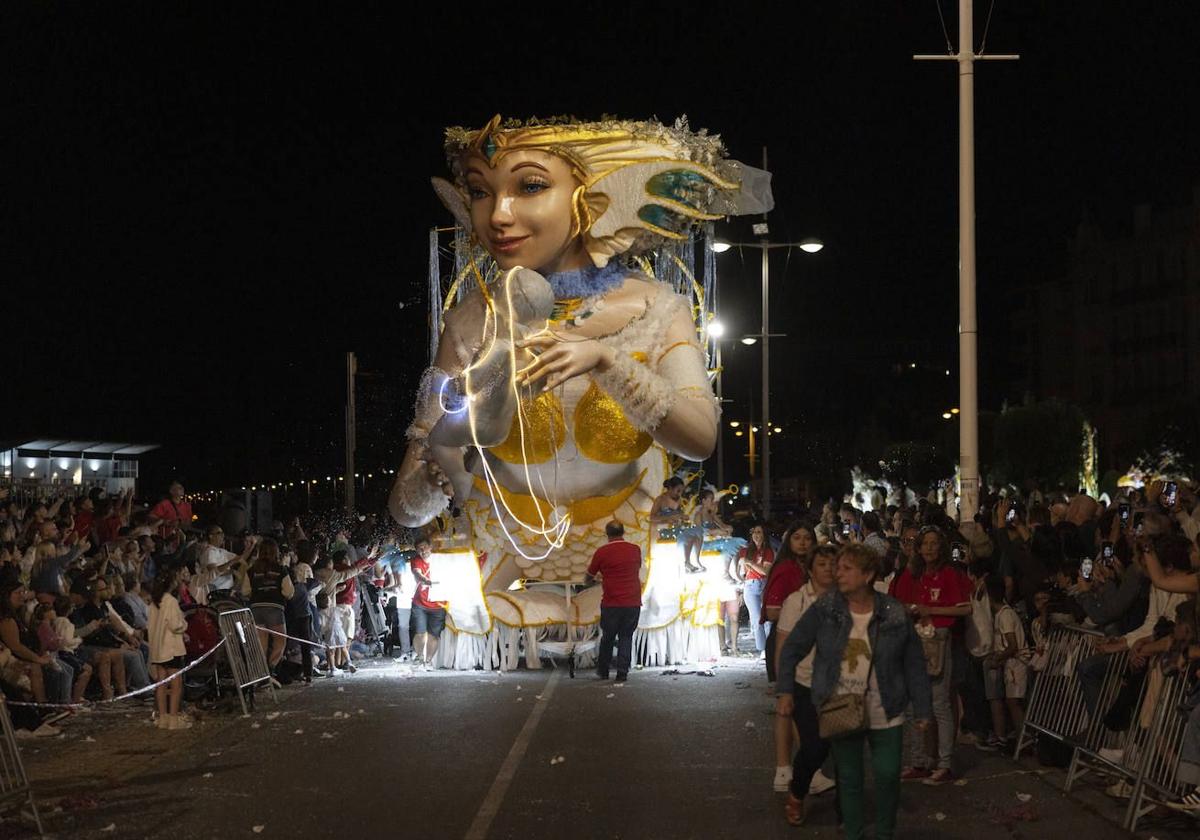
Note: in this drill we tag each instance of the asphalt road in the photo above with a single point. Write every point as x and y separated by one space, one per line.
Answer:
392 753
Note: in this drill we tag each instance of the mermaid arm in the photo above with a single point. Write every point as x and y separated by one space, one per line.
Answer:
669 397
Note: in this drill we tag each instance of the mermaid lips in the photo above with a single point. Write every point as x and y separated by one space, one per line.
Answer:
508 244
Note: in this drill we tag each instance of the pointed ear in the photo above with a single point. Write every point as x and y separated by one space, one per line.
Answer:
454 201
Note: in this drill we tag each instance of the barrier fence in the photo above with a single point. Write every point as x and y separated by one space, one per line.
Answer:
14 784
1118 719
243 651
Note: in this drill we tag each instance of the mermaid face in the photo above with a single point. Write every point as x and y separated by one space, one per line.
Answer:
521 211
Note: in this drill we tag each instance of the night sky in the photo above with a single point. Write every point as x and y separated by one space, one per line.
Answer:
205 206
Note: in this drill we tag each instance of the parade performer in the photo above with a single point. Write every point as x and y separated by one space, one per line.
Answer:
566 379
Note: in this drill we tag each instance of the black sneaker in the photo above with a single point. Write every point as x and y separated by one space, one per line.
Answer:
603 675
622 676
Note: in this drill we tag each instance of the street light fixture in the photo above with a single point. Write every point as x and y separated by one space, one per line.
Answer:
810 245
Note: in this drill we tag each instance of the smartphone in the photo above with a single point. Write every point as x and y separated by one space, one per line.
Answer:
1106 552
1170 493
1137 523
957 554
1085 568
845 529
1011 516
1123 511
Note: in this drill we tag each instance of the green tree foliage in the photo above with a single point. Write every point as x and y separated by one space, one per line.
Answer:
1040 441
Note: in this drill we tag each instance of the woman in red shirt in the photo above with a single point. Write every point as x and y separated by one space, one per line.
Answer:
788 573
754 563
938 595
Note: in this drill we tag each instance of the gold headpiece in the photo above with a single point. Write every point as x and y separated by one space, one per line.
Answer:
641 182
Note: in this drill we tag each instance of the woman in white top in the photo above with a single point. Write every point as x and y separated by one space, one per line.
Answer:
806 775
167 652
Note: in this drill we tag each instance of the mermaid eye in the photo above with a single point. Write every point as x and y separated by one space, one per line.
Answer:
532 186
475 193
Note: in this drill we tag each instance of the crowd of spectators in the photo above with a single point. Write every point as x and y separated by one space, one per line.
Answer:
983 596
102 596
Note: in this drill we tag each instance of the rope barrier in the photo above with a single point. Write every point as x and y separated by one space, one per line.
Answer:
294 638
125 696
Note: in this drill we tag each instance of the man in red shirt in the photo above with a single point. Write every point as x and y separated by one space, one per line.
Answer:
174 512
429 617
618 564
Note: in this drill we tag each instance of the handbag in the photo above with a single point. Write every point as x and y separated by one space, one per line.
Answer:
844 715
935 655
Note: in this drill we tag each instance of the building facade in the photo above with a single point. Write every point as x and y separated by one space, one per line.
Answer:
41 467
1119 333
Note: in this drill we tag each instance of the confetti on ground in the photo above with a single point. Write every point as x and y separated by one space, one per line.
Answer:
749 724
362 711
325 735
537 697
610 696
258 829
939 816
256 725
960 783
519 699
518 688
207 776
109 827
214 754
561 759
1024 797
272 715
298 732
341 690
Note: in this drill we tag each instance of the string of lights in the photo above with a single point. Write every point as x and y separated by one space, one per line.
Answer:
215 495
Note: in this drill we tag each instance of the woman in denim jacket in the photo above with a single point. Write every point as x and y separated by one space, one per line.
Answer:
865 644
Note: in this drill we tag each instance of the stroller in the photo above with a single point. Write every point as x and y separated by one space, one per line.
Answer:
202 684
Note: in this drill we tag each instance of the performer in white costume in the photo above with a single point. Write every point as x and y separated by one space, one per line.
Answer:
566 380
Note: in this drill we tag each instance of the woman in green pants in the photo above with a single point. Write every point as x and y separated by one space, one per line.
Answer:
865 645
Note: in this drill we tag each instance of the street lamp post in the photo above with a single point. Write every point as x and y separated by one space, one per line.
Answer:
968 388
809 245
716 330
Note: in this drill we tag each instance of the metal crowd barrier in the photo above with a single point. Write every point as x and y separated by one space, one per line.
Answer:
1056 706
1157 778
244 652
1144 755
14 784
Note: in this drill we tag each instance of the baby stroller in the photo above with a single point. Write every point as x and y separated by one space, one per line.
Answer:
202 684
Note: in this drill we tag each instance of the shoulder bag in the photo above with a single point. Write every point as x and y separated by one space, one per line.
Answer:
844 715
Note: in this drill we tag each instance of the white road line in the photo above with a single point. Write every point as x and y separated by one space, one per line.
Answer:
495 795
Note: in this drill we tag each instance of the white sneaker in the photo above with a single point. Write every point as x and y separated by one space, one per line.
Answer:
783 778
820 783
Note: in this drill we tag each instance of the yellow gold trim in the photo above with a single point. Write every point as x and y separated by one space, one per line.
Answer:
583 511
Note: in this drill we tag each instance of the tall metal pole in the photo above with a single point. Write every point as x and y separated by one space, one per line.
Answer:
351 370
720 428
968 331
766 367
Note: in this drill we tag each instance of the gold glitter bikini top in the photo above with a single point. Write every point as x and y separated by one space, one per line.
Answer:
600 429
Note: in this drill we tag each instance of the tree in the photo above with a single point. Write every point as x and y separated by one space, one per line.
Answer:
1040 442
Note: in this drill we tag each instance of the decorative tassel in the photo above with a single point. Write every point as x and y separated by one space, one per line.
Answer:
435 294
